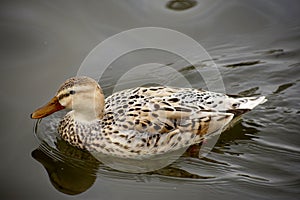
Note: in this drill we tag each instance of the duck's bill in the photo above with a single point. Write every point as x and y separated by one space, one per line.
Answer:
52 106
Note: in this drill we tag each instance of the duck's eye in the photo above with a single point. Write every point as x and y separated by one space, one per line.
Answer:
72 92
235 105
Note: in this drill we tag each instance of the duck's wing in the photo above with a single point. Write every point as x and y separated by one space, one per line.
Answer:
163 110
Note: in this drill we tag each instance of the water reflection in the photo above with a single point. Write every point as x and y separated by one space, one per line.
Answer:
64 172
73 171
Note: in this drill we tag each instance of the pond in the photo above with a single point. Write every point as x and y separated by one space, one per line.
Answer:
255 46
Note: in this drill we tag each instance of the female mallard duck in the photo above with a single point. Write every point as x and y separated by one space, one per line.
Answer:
142 121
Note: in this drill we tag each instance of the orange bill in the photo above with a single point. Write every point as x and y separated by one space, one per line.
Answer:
52 106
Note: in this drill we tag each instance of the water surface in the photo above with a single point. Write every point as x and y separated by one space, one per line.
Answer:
256 47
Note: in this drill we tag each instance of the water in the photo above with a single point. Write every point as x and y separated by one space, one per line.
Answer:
256 47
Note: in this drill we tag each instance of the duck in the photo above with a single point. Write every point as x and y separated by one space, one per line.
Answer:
141 121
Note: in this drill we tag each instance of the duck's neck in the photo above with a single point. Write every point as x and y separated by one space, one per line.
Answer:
89 108
86 116
83 117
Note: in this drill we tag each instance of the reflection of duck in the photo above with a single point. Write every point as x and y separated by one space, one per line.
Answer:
65 173
72 171
141 121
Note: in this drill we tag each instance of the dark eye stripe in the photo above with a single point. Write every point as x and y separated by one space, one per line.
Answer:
60 97
66 94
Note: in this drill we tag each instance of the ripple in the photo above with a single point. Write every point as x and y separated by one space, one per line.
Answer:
180 5
249 92
245 63
283 87
280 147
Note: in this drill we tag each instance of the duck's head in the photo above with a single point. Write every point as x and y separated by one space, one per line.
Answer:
81 94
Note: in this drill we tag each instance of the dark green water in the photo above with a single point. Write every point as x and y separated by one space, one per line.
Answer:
256 47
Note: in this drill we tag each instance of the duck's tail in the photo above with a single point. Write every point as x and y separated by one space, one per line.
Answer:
249 103
241 105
